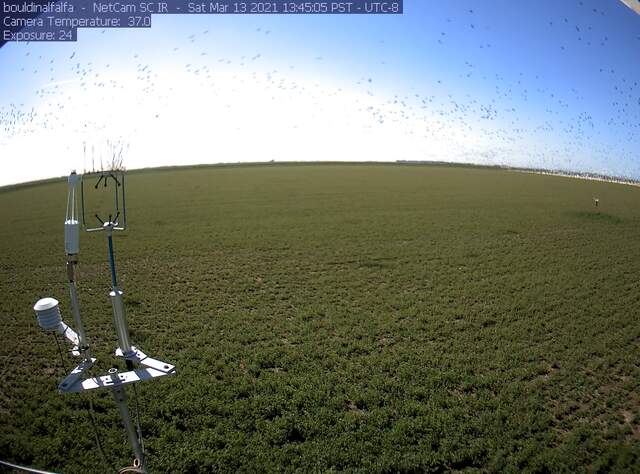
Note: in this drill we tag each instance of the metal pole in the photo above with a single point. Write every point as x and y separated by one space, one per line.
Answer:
119 313
75 305
120 396
112 262
120 322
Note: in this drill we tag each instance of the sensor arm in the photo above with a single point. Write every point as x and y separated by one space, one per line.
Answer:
70 334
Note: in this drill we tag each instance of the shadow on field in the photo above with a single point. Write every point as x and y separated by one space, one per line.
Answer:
596 216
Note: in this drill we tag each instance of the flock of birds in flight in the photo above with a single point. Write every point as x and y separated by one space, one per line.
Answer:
553 126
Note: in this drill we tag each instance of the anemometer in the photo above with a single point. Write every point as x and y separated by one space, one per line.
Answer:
109 188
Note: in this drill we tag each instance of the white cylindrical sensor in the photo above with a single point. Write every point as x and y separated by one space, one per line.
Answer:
71 237
48 314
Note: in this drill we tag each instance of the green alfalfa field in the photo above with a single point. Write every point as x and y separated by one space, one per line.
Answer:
358 318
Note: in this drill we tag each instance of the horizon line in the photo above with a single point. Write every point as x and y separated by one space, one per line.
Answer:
585 175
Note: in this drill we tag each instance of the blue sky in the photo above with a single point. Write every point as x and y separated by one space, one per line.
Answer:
545 83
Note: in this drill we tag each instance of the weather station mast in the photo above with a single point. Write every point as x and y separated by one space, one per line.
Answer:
139 366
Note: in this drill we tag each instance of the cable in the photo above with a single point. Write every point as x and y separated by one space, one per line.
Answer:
132 469
64 365
135 397
91 410
130 366
24 468
136 469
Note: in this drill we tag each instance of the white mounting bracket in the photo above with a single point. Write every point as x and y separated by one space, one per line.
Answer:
123 378
75 375
153 368
139 357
